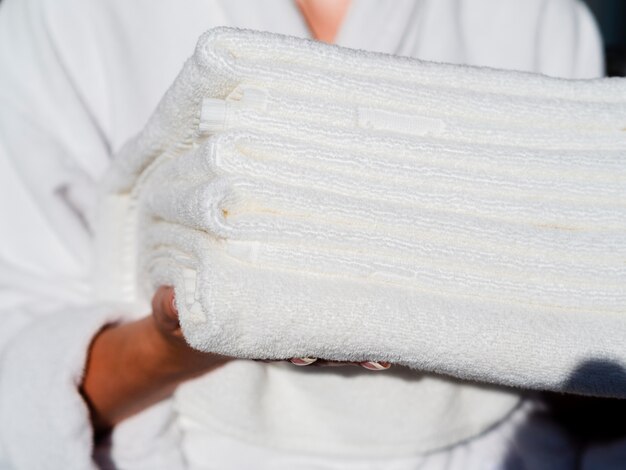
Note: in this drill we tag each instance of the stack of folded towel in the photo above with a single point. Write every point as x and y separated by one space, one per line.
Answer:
312 200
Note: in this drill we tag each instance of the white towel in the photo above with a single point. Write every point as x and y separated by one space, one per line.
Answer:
310 200
226 58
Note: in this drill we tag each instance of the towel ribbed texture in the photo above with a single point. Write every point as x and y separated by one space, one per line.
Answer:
310 200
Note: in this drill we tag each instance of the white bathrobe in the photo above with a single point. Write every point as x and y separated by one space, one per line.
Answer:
77 79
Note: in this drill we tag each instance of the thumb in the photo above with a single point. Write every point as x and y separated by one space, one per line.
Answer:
164 310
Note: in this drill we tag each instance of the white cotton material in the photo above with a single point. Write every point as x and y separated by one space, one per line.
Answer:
26 392
86 93
328 75
313 200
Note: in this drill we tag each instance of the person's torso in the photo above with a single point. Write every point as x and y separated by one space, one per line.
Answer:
346 413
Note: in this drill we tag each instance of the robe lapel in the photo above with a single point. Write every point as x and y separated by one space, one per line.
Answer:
381 26
277 16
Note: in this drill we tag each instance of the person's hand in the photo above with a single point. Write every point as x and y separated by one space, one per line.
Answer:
133 365
182 358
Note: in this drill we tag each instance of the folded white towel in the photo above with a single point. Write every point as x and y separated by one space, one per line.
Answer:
419 231
227 58
309 200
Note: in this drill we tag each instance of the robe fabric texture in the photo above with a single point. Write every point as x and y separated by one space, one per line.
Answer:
77 79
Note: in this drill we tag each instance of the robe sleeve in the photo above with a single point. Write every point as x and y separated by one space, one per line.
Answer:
50 146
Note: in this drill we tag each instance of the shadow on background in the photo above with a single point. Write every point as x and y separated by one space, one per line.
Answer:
585 419
611 18
590 419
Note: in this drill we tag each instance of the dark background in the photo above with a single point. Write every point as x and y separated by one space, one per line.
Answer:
611 16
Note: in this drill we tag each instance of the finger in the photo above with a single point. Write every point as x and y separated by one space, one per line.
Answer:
302 361
315 362
327 363
375 365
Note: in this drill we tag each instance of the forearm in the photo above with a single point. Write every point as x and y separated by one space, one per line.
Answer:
132 366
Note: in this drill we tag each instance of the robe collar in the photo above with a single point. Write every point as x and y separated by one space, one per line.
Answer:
389 24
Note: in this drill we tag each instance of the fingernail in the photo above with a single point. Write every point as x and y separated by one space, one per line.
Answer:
173 301
374 365
303 361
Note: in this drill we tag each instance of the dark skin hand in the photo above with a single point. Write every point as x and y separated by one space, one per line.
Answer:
134 365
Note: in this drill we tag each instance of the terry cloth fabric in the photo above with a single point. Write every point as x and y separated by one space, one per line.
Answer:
312 200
